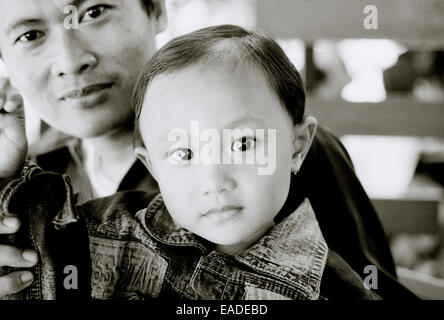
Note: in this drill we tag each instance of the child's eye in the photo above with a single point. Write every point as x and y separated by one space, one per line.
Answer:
30 36
181 155
92 13
243 144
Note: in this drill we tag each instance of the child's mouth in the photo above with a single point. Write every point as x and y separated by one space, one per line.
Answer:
222 214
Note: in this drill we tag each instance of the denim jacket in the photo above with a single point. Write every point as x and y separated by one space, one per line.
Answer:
129 253
50 225
168 260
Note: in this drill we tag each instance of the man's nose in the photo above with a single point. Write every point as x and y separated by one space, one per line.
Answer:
71 55
217 179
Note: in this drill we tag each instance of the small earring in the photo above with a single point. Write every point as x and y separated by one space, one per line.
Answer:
295 171
297 166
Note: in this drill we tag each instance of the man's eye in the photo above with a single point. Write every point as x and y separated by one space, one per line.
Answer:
30 36
181 155
92 13
243 144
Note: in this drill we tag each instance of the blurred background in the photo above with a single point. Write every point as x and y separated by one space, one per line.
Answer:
374 72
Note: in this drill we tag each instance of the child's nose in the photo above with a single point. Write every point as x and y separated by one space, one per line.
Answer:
217 179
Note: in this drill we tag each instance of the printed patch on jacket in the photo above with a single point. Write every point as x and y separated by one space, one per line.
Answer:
254 293
122 267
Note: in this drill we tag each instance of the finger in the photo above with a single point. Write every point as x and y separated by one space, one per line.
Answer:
14 104
13 128
15 282
2 98
9 225
4 82
14 257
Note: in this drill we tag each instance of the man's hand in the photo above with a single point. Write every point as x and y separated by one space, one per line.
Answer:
13 143
13 257
13 149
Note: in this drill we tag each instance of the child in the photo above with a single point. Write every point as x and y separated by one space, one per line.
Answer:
221 228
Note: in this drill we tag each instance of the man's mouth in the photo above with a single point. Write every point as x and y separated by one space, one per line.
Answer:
86 91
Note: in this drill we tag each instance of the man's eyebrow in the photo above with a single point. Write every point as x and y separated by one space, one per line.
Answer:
26 22
22 23
76 3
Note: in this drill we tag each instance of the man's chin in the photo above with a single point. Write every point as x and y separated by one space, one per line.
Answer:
84 131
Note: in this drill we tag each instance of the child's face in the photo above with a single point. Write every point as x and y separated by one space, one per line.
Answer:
228 204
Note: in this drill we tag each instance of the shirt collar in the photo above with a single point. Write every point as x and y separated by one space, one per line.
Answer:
294 250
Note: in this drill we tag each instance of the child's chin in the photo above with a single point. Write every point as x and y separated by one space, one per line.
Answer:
220 241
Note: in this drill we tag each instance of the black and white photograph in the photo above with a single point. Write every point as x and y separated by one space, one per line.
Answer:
221 151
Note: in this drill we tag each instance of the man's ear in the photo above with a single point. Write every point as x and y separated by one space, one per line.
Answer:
142 155
303 135
161 16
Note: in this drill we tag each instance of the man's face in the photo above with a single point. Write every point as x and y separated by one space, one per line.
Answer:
80 80
229 204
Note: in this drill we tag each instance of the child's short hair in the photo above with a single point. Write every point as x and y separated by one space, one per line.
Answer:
227 43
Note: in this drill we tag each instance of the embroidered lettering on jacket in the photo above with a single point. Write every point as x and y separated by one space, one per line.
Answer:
122 267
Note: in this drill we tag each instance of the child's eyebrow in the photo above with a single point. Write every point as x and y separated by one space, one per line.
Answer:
245 120
233 124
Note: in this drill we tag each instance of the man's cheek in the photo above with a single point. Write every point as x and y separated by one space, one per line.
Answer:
26 82
135 55
15 81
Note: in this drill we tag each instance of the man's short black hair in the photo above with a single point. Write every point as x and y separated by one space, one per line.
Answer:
225 43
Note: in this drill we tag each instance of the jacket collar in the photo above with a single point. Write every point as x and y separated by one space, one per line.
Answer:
294 250
161 226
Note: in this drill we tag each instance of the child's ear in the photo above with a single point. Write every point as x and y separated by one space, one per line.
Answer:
142 155
303 135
